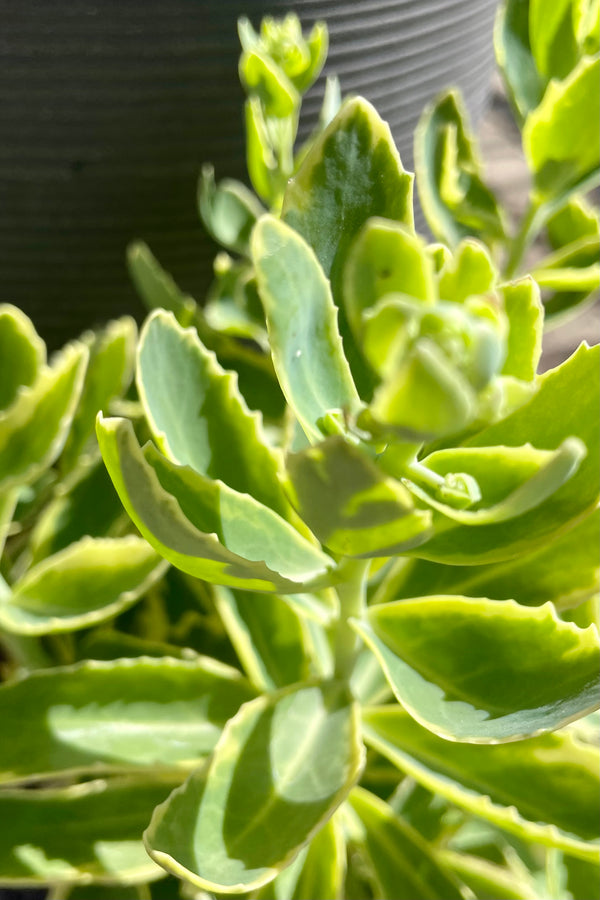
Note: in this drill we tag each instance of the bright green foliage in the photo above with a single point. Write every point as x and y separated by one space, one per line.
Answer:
333 633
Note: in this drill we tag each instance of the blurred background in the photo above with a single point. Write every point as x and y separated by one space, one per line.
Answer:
109 108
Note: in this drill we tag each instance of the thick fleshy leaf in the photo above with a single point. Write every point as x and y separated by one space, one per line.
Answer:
561 138
101 892
423 398
263 78
554 802
317 871
302 324
351 173
386 257
412 871
203 527
486 880
8 502
523 306
86 583
565 571
228 210
33 430
85 503
281 768
552 36
349 505
573 389
570 278
512 480
260 156
467 273
576 220
22 353
155 286
455 199
108 374
525 85
267 636
485 671
198 416
97 717
75 835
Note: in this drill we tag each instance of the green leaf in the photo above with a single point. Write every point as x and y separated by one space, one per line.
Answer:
523 307
454 197
349 505
572 388
583 878
405 867
198 416
33 430
97 717
573 273
561 139
267 636
423 398
85 503
512 480
203 527
100 892
468 272
351 173
302 323
86 583
576 220
260 155
22 353
485 671
552 35
524 84
76 835
385 258
486 880
155 286
263 78
544 790
564 571
281 768
108 375
228 210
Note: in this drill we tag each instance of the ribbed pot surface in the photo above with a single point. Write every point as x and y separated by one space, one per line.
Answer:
109 108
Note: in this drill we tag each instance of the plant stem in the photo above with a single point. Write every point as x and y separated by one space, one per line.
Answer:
525 236
352 597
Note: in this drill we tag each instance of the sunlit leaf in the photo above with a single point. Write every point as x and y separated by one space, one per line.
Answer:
525 85
523 307
281 767
554 804
202 526
302 324
22 353
485 671
97 717
87 582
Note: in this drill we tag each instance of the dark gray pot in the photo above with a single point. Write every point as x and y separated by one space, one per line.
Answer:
108 109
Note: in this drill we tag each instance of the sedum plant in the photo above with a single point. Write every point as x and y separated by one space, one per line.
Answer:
371 668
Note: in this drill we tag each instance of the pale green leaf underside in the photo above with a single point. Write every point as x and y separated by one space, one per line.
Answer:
155 286
485 671
349 505
280 769
405 866
203 527
34 428
553 802
302 323
88 582
197 414
573 389
97 717
86 833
